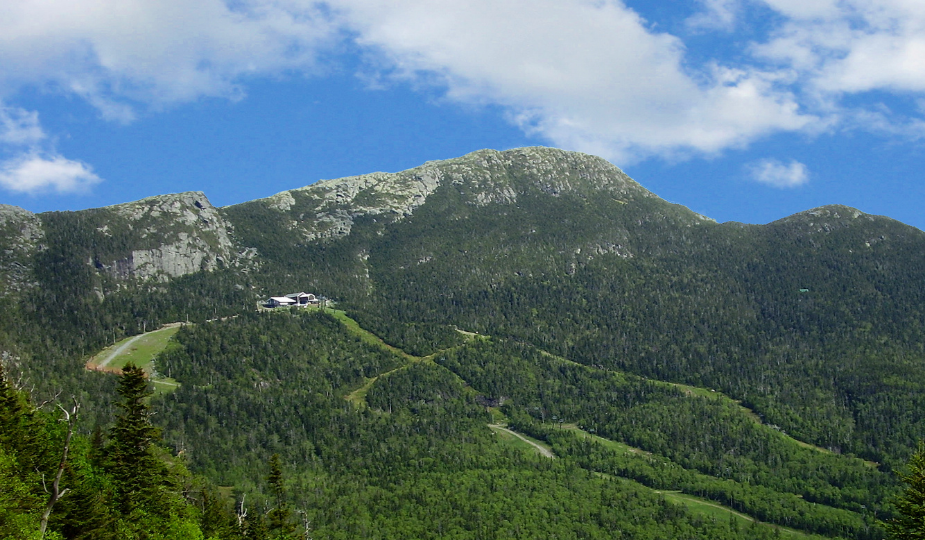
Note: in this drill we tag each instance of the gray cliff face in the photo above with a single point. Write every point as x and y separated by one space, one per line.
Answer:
175 235
21 236
327 209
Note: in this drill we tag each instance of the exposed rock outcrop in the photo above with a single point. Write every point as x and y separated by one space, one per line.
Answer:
329 208
21 236
178 234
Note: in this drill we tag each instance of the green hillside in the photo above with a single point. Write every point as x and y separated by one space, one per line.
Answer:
773 370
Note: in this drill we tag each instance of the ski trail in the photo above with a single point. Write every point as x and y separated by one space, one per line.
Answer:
118 351
546 452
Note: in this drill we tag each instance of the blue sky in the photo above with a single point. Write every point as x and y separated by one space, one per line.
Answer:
743 110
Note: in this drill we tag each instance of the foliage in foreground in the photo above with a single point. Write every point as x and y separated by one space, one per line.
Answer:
127 488
910 523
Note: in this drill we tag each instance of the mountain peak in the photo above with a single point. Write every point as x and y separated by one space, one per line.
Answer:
328 208
9 213
827 218
170 202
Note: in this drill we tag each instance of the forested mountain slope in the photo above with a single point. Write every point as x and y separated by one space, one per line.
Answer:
810 319
814 322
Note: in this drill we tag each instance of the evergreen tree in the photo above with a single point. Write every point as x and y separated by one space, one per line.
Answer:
216 519
20 455
255 528
21 429
910 525
97 445
279 517
137 471
149 492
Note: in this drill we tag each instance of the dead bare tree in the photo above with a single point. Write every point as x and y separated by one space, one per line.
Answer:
47 401
306 525
56 492
241 513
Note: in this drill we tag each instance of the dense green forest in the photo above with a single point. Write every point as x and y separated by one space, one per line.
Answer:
814 321
418 461
776 370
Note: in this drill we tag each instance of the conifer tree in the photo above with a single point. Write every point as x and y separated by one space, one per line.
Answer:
279 517
216 521
137 472
148 498
19 502
21 429
910 525
255 528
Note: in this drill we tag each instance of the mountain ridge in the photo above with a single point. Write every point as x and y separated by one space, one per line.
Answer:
168 236
816 322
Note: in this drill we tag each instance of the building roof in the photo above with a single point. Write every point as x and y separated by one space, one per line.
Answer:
299 295
282 300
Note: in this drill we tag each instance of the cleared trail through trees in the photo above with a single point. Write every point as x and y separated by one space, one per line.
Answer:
140 350
358 396
117 351
539 448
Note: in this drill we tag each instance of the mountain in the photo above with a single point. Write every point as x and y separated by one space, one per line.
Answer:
602 305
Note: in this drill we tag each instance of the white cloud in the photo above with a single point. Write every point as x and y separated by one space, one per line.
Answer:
589 75
112 52
851 46
34 171
806 9
19 126
777 174
584 74
33 174
886 122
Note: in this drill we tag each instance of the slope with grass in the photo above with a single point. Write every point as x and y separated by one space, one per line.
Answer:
140 350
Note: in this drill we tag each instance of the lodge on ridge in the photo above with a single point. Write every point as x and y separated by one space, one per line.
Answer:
300 299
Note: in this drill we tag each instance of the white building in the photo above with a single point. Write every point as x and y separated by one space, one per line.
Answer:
280 301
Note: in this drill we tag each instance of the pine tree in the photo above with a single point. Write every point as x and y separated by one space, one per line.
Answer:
21 428
279 517
910 525
97 445
255 528
216 520
137 472
149 495
21 457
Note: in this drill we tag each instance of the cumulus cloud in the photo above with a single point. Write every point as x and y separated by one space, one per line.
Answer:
851 46
584 74
113 52
33 174
777 174
33 170
123 55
